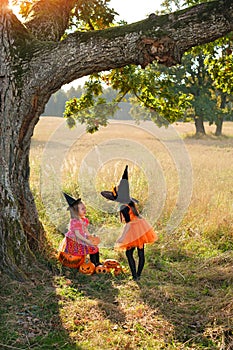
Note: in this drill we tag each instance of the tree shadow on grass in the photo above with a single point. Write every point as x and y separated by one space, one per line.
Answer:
42 312
30 316
101 289
192 294
180 299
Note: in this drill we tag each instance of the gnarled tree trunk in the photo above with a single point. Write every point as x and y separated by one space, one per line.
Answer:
34 63
20 229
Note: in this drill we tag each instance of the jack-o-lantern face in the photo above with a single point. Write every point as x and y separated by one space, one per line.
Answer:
101 269
111 263
70 260
87 268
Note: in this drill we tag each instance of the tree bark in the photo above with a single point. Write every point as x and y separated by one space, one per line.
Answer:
162 38
20 229
199 125
219 122
34 63
48 20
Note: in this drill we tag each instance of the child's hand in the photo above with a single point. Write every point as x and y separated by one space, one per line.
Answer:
89 242
95 240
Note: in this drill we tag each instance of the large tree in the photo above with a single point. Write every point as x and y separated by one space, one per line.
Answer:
36 59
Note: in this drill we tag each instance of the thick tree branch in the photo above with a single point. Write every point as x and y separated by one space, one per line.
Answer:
162 38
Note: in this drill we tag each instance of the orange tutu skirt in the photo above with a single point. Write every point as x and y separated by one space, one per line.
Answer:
139 233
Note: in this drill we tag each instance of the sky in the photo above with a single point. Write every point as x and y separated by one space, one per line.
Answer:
130 11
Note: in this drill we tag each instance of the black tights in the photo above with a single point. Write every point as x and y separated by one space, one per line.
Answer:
132 264
95 258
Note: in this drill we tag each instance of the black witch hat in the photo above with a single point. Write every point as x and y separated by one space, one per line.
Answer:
71 201
120 193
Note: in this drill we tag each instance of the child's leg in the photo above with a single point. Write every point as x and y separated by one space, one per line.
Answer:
141 261
131 261
95 258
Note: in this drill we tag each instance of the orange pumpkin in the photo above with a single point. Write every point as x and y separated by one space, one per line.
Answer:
117 271
111 263
94 239
70 260
101 269
87 268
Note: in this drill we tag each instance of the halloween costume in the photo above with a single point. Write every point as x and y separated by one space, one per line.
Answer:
71 243
120 193
137 230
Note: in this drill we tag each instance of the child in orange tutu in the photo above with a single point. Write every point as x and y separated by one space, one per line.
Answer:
136 233
137 230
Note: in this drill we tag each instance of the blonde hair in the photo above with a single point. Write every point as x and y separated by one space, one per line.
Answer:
74 210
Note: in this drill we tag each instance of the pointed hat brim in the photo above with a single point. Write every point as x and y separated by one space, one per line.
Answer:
108 195
70 200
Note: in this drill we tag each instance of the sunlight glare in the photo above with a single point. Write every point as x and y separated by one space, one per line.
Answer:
15 9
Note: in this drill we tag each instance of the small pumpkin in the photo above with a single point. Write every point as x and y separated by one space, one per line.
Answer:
101 269
94 239
111 263
117 271
87 268
70 260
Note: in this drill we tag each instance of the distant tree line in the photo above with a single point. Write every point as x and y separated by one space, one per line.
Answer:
182 93
57 102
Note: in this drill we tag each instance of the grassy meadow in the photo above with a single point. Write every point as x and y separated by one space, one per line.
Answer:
184 299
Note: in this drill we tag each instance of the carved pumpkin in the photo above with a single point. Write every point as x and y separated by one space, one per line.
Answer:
87 268
117 271
94 239
101 269
111 263
70 260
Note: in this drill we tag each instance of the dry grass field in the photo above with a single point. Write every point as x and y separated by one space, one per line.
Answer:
97 161
184 298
